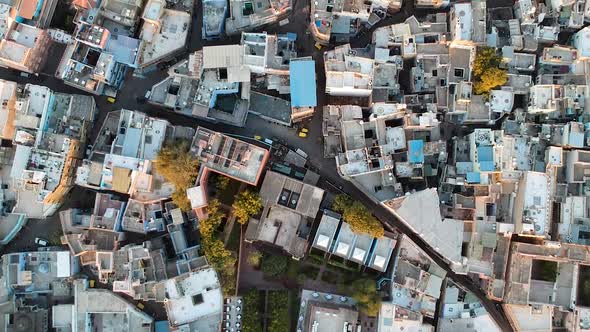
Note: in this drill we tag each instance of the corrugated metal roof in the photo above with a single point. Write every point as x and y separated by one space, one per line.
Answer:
222 56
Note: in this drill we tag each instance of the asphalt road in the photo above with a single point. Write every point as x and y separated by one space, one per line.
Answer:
135 88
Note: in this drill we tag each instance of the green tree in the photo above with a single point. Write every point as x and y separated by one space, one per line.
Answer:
180 199
255 258
491 78
219 258
486 71
222 182
223 261
357 216
227 279
209 225
341 202
178 166
364 292
274 265
361 220
246 205
485 58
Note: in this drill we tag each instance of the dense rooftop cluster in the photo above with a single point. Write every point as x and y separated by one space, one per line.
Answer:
325 165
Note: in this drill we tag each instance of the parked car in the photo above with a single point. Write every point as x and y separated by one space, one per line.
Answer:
41 242
111 100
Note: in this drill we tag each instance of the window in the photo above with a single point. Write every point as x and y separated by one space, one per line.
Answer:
459 72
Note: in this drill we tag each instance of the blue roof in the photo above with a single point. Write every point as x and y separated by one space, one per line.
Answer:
487 166
416 151
473 177
123 49
132 142
302 82
485 153
162 326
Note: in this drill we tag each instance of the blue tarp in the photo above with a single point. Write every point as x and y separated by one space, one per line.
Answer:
416 151
303 83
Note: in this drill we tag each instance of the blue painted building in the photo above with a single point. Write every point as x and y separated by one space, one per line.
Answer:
416 151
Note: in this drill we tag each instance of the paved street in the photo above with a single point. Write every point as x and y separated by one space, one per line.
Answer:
134 88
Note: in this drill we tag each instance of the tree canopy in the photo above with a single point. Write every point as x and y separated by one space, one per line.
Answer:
491 78
358 216
209 225
341 202
364 291
221 259
274 265
221 182
178 166
486 70
246 204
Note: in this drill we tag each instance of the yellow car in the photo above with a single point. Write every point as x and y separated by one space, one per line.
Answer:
302 134
258 137
304 130
140 305
318 46
111 100
91 283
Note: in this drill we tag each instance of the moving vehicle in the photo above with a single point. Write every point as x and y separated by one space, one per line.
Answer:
140 305
41 242
111 100
258 137
302 134
91 283
304 130
318 46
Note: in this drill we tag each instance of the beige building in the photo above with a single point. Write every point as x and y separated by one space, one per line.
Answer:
24 47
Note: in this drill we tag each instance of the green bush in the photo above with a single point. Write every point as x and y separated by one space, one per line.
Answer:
255 258
251 314
278 304
274 266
